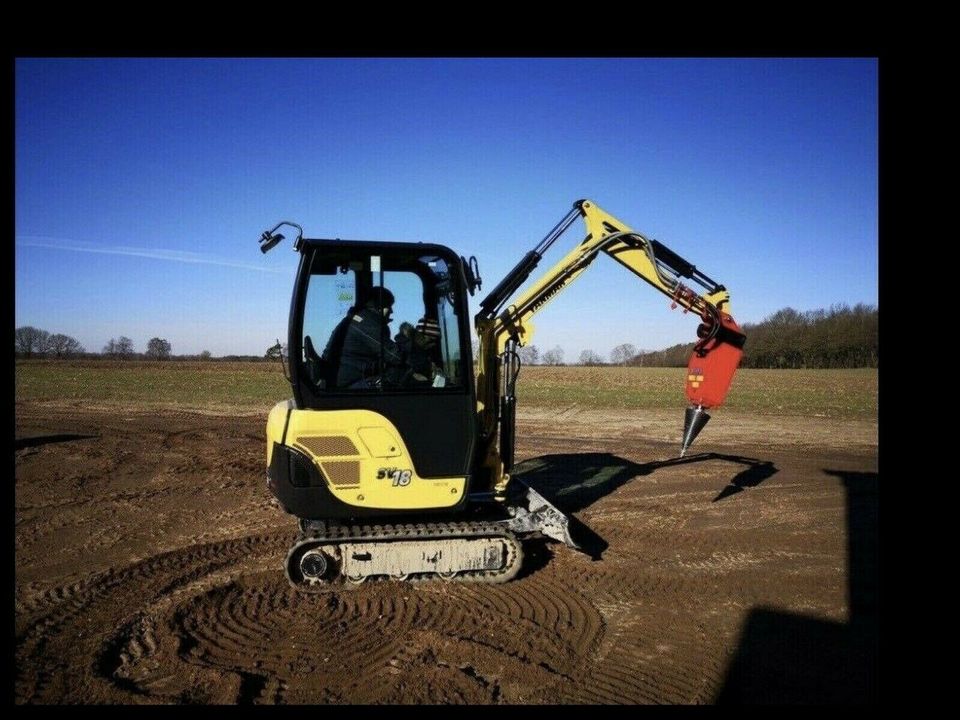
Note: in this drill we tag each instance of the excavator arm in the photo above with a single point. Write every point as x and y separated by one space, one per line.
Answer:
503 328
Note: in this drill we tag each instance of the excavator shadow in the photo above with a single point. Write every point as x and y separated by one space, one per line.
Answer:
574 481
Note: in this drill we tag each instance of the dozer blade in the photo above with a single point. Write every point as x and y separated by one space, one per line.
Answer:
534 513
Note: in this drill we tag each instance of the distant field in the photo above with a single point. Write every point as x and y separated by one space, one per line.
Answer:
242 385
829 393
188 384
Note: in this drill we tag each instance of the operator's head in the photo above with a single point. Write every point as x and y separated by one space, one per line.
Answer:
381 299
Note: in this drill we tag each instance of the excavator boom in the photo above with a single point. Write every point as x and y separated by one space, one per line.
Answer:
503 327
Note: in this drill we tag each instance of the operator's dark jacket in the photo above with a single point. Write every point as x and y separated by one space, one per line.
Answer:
362 333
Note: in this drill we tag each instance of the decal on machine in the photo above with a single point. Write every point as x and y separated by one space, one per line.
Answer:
399 477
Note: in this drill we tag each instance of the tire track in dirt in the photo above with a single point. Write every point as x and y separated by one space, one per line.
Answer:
650 657
60 629
34 600
214 621
537 606
463 643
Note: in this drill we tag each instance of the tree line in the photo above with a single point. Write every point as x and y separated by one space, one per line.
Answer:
531 355
838 337
31 342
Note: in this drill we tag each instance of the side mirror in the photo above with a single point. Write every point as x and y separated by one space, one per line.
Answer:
268 241
471 271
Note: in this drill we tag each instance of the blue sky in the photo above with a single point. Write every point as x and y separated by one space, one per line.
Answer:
142 185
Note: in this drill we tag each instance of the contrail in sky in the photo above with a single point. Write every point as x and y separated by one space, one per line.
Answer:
184 256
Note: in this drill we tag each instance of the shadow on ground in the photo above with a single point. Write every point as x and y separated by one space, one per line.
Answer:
785 658
39 440
574 481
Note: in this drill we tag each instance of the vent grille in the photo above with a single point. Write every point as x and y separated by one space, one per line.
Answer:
326 446
343 473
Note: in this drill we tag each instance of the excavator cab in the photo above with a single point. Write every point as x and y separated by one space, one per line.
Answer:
340 284
407 406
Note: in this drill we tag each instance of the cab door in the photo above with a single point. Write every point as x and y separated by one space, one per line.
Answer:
429 394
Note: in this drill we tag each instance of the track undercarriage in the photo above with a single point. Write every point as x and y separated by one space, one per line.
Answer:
327 555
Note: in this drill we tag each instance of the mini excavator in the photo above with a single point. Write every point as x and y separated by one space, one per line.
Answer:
404 473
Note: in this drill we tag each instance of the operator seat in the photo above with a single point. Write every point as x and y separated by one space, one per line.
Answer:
315 364
328 365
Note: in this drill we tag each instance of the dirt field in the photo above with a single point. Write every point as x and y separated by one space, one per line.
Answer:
149 554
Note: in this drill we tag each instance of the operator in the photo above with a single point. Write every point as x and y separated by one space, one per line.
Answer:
365 337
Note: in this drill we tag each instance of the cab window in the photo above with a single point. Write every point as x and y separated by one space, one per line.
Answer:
381 321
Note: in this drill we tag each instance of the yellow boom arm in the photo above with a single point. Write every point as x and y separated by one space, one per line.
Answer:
502 329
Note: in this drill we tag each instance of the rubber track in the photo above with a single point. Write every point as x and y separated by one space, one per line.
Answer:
335 534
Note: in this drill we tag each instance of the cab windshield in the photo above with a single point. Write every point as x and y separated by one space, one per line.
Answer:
381 320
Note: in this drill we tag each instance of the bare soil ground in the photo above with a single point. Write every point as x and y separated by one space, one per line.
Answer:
149 570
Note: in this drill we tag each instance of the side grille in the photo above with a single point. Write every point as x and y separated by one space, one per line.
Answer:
343 473
325 446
